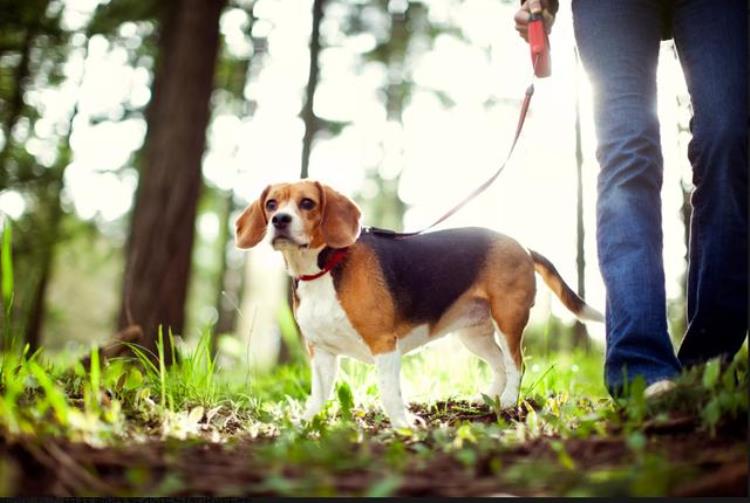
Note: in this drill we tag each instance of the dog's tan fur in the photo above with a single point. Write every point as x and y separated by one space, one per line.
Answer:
504 288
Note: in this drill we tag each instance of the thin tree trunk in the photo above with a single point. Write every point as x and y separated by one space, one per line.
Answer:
580 334
163 224
686 212
37 311
387 209
394 208
285 353
14 108
231 279
398 43
308 114
311 127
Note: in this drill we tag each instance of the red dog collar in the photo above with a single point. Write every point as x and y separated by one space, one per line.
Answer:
335 259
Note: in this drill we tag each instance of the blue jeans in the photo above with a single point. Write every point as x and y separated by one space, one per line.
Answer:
619 44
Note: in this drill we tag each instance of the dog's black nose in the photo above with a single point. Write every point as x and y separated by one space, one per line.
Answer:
281 220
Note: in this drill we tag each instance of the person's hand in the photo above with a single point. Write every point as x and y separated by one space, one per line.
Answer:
524 14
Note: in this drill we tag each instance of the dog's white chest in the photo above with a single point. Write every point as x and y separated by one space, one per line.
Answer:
324 322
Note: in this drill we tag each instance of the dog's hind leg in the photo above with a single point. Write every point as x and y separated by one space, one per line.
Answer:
480 340
510 314
509 285
510 332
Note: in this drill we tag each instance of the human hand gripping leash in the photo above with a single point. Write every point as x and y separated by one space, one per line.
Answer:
540 61
539 45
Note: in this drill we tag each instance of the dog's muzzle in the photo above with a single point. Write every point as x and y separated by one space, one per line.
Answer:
281 240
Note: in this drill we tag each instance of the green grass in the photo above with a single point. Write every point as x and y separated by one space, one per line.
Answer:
541 447
6 283
562 402
565 388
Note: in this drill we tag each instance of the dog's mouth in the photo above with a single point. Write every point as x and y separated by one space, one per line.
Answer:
285 242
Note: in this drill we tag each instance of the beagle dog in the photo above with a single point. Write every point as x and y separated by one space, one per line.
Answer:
375 297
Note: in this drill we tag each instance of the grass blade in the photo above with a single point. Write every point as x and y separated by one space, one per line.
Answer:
55 396
7 287
6 259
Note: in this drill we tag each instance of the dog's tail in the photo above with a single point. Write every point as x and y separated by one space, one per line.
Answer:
569 298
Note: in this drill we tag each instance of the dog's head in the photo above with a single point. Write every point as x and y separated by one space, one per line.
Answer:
305 214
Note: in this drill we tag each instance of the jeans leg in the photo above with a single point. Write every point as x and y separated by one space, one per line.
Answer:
711 39
619 46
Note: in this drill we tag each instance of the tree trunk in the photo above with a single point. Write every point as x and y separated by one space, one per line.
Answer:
162 230
308 114
580 334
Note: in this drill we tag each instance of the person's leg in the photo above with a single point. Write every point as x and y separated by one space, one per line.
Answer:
711 40
619 46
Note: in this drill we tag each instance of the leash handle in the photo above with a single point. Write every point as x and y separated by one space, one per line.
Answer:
539 45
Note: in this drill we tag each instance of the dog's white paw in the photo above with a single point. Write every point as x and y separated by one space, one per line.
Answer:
311 410
508 401
408 420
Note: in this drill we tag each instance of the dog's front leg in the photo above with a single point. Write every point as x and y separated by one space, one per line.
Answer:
389 381
324 366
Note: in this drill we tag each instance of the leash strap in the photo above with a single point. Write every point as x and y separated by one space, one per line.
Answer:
485 185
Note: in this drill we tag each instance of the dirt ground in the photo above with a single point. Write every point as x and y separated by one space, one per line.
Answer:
713 466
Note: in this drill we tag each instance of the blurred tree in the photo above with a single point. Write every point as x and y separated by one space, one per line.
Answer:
232 274
229 279
217 268
308 114
677 308
409 34
233 78
52 206
386 209
163 222
313 123
24 28
34 52
33 49
580 334
686 212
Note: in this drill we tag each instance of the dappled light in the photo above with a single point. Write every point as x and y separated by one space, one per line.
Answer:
171 292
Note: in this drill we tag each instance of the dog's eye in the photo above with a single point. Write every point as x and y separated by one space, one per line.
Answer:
307 204
271 204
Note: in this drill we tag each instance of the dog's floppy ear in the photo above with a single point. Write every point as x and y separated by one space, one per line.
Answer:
340 218
250 227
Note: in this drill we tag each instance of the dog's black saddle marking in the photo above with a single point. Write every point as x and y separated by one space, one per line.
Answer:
427 272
